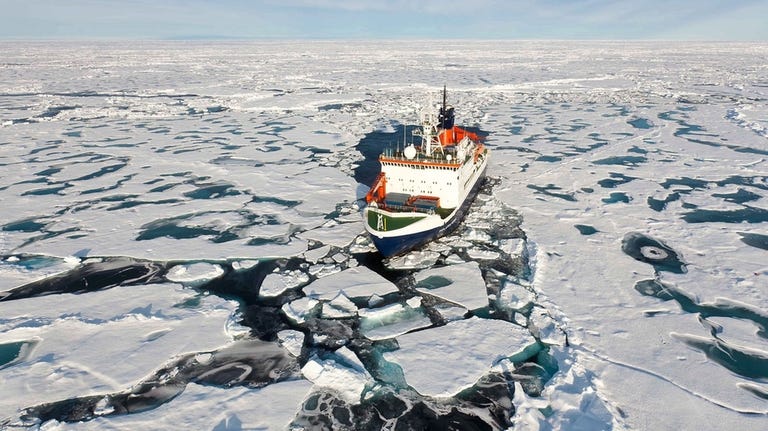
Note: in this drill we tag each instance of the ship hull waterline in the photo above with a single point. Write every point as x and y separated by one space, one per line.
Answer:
390 245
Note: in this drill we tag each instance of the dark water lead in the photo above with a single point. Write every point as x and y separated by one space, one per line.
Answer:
92 276
15 351
755 240
616 179
389 402
586 229
722 307
758 182
659 205
53 111
487 405
548 159
750 363
650 250
747 214
744 361
739 197
251 363
640 123
616 197
621 160
24 225
340 106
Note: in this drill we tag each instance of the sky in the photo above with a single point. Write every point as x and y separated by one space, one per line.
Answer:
386 19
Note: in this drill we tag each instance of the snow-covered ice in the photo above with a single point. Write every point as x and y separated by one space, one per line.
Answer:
461 284
166 204
357 282
434 364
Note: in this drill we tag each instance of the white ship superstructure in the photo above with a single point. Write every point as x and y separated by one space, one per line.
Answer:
423 191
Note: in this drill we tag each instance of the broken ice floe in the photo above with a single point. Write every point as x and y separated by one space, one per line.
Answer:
392 320
462 284
195 274
340 372
435 366
357 282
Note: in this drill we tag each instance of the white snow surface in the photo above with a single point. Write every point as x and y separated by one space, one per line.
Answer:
104 341
218 150
270 408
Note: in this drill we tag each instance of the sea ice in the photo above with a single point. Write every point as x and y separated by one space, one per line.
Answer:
339 307
461 284
299 309
341 372
357 282
275 284
195 274
270 408
292 340
172 165
454 356
392 320
104 341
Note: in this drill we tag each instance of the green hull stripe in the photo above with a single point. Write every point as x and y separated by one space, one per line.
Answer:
383 223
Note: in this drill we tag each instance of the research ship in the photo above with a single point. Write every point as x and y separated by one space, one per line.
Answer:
423 191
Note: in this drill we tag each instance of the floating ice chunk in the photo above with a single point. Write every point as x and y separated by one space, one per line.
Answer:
520 319
414 260
414 302
322 270
472 234
544 327
103 407
314 255
292 340
358 282
462 284
514 296
240 265
391 321
512 246
438 247
478 253
336 234
341 372
374 300
195 274
450 312
339 307
339 257
275 284
450 358
299 309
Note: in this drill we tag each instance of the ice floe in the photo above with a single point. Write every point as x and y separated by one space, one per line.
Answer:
462 284
435 366
357 282
637 169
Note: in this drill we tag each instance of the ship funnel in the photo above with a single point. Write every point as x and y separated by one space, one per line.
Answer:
446 117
